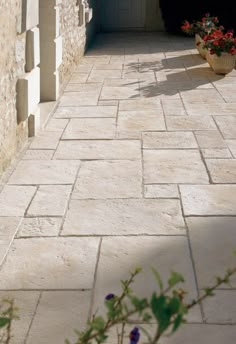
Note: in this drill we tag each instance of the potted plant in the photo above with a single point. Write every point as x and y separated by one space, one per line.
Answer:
221 51
200 29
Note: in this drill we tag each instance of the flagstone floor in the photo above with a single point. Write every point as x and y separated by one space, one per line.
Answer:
136 167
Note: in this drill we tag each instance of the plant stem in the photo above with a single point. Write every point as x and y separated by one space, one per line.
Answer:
122 333
211 289
156 337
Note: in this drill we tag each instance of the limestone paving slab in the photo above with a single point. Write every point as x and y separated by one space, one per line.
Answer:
124 217
38 154
202 96
55 263
167 140
212 109
101 75
79 77
121 255
208 235
30 172
50 200
26 302
216 153
109 179
109 66
90 128
173 107
161 191
58 314
208 200
232 146
223 301
203 334
120 89
210 139
8 229
108 102
99 150
85 111
86 88
83 68
39 227
46 140
14 200
175 123
142 104
222 171
57 124
78 99
131 123
103 59
227 126
173 166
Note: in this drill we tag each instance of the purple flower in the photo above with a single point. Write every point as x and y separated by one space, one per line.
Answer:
134 335
109 297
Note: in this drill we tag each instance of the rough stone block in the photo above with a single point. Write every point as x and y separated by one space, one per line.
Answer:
32 49
81 14
30 14
50 85
88 15
49 22
51 55
49 3
28 94
34 123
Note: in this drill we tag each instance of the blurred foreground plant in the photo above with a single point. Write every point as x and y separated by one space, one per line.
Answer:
8 313
166 308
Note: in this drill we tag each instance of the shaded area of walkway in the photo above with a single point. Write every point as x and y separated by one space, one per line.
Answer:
136 167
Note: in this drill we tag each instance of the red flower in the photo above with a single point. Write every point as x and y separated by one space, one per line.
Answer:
206 38
212 51
186 26
233 51
216 43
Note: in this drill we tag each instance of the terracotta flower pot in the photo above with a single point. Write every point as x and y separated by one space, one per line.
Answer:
199 45
223 64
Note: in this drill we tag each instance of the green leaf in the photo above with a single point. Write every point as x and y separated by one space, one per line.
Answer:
174 305
147 317
158 278
177 322
4 322
98 323
209 292
174 279
159 306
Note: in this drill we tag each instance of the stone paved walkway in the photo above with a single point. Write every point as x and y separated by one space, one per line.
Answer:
137 166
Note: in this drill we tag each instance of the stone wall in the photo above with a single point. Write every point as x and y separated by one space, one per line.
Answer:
75 34
12 60
19 77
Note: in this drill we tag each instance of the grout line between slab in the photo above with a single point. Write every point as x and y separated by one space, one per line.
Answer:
95 279
191 255
33 317
68 201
